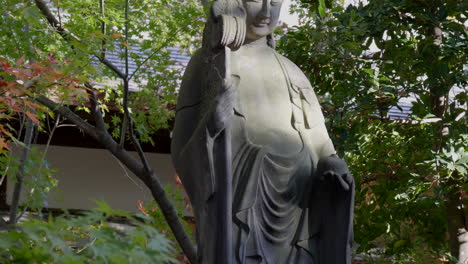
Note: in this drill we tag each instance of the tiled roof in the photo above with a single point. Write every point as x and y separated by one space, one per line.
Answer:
405 104
181 60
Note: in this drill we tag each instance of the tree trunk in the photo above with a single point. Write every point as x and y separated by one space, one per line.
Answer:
457 224
20 174
455 212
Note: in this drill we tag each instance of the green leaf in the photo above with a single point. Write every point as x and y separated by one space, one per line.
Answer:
321 8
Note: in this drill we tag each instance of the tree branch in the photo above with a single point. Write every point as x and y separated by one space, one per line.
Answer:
95 109
155 52
128 116
146 176
135 142
68 36
103 30
126 119
142 171
68 114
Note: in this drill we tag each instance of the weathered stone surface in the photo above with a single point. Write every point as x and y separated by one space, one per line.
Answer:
251 148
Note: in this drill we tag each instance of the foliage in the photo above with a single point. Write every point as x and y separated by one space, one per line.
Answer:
38 177
16 79
65 50
89 238
181 204
153 27
363 60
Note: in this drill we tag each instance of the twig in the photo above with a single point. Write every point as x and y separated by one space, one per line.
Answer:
125 80
103 29
128 116
127 174
155 52
85 247
67 113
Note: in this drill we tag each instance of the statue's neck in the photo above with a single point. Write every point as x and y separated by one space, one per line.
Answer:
261 42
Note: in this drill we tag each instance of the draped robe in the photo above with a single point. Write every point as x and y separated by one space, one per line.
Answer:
282 211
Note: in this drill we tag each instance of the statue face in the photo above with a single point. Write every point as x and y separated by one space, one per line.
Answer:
262 17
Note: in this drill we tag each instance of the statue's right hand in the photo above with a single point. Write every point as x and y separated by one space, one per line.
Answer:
223 105
334 170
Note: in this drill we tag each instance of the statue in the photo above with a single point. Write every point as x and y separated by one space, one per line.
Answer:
252 151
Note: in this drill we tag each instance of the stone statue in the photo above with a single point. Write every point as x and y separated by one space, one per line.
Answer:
251 148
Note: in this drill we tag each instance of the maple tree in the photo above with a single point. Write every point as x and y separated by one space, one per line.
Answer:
55 54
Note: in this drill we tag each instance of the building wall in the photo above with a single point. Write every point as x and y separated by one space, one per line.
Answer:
85 175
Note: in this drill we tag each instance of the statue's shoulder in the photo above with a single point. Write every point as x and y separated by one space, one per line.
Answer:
311 108
296 76
190 92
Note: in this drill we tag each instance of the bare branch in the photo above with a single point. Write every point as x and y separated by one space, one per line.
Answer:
103 30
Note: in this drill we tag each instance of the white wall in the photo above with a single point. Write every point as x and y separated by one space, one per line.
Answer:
85 175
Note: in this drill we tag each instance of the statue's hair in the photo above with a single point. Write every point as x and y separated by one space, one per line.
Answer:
231 8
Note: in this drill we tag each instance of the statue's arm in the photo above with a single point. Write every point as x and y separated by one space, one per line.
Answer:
329 165
190 149
188 108
204 108
314 121
206 100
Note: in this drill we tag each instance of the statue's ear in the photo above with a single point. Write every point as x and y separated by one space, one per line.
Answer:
228 31
228 27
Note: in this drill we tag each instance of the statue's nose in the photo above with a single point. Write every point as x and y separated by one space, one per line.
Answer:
265 12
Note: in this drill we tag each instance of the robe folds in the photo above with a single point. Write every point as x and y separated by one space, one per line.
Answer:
283 209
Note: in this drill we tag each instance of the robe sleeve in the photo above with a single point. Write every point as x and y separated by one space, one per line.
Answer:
196 153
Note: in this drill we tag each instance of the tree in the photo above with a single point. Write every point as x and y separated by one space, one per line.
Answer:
54 56
411 174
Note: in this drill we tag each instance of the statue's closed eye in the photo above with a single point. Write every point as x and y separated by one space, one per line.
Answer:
276 2
272 2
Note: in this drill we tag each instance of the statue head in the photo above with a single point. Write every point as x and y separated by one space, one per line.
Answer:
261 17
232 22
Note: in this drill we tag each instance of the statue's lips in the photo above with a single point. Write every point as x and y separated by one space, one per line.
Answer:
262 24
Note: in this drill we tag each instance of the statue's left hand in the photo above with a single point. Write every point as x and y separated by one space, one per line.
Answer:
334 170
223 105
